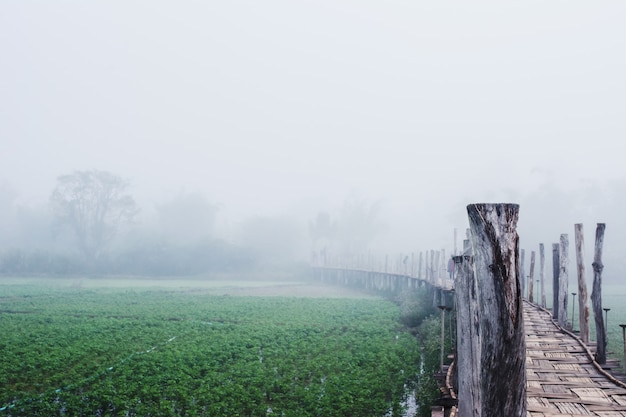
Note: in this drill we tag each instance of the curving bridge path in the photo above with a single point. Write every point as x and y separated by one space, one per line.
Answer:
562 377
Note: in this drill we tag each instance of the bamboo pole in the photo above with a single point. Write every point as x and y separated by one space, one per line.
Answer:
502 385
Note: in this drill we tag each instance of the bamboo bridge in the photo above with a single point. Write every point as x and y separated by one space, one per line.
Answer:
562 375
513 358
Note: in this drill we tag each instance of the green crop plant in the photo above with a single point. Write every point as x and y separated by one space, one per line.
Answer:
181 353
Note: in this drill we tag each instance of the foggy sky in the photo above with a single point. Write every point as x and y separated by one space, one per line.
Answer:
292 106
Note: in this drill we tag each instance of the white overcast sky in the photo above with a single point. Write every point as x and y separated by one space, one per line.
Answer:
270 106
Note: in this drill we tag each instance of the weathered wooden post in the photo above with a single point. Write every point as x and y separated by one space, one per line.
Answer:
386 262
555 280
583 305
563 279
451 321
431 271
467 336
442 266
522 274
437 266
502 384
542 267
531 297
573 309
442 307
623 326
596 296
420 264
467 247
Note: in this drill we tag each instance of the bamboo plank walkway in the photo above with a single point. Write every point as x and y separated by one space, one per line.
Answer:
562 378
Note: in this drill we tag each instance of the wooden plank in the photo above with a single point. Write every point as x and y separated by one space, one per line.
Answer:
592 394
571 408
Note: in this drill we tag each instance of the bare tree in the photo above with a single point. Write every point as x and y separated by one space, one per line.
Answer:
92 204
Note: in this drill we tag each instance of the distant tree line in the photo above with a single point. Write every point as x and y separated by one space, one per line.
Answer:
91 226
154 259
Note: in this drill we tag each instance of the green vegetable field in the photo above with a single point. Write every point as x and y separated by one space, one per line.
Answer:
188 352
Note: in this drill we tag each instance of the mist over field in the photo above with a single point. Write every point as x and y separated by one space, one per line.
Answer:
250 134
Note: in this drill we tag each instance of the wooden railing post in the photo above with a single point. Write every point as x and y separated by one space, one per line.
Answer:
555 281
419 268
563 279
522 274
431 270
531 286
583 305
542 267
468 337
437 265
502 385
596 295
467 247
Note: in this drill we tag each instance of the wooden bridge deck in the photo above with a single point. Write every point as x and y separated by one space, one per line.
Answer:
562 378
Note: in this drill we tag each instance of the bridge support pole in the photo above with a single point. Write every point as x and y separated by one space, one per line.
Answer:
531 290
467 335
596 295
583 305
563 279
542 267
555 280
502 385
